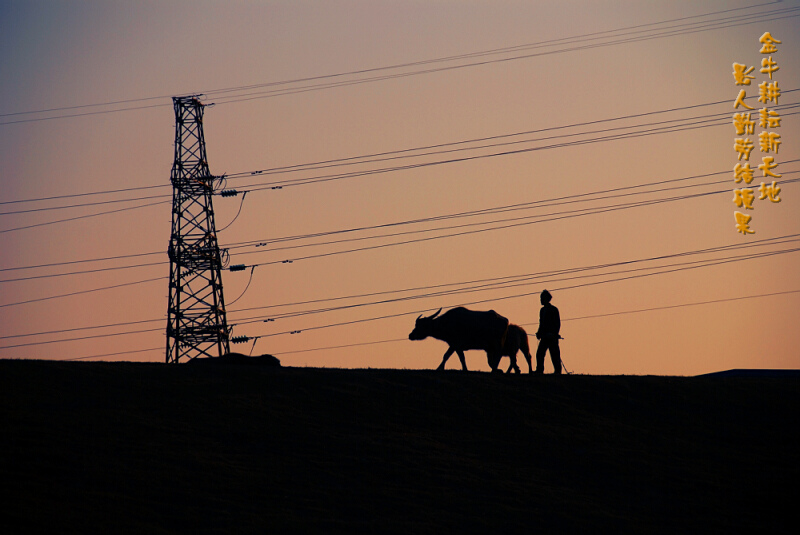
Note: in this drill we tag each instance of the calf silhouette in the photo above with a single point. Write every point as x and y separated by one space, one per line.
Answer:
516 339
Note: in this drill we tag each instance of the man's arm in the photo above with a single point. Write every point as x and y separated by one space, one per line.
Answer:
557 322
541 320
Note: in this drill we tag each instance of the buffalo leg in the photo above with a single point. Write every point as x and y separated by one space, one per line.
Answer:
528 358
513 364
526 350
462 359
447 354
494 360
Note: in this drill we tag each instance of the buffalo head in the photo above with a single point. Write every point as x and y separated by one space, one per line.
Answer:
423 327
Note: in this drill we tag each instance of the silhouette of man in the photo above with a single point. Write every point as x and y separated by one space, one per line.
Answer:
549 327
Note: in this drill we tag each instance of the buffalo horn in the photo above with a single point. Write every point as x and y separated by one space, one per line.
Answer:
437 313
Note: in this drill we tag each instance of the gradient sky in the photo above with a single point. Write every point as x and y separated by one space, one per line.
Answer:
65 54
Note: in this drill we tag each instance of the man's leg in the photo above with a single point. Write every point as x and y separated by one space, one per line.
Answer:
555 355
540 351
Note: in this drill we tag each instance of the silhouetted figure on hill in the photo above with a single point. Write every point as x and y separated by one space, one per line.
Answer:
549 327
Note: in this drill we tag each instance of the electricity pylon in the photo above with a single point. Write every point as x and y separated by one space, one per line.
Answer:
196 324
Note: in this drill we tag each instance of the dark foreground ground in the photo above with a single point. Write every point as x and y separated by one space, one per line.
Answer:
145 448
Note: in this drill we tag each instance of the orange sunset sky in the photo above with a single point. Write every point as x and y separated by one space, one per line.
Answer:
630 98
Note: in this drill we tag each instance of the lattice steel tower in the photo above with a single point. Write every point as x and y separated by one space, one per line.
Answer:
196 325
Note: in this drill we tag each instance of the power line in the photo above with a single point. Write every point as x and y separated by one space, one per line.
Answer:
331 85
496 209
257 243
82 106
495 51
736 246
129 352
526 221
81 205
68 262
474 213
492 284
344 161
340 252
499 280
148 205
395 154
85 194
518 282
704 26
668 307
342 346
90 337
403 153
279 184
513 222
93 327
315 180
629 205
475 54
711 262
517 296
622 312
594 316
82 292
84 271
82 114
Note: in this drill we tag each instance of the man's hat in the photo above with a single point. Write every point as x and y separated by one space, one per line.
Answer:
546 296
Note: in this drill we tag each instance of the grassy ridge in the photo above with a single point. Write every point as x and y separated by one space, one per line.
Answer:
146 448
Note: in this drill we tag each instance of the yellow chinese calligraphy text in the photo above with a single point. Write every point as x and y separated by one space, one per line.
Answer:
744 198
768 166
740 101
741 74
743 147
770 191
743 223
743 124
769 43
769 141
767 92
768 66
769 118
742 172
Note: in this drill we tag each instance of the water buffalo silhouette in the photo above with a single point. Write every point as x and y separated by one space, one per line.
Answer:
463 329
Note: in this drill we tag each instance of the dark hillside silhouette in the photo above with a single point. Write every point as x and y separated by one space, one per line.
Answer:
157 448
